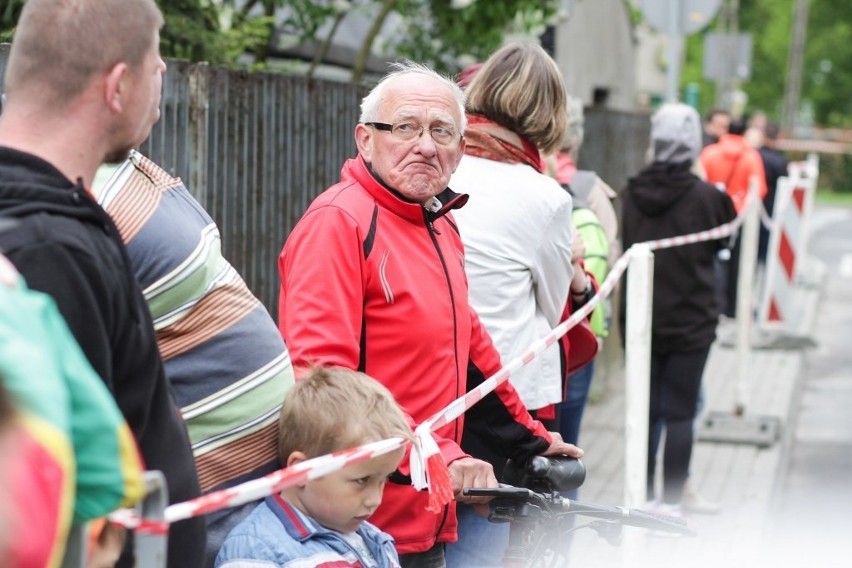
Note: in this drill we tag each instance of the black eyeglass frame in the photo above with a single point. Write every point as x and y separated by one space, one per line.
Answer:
385 127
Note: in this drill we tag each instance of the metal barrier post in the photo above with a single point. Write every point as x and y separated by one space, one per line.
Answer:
75 547
745 291
150 546
640 286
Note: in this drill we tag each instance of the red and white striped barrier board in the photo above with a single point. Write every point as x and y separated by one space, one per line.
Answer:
787 246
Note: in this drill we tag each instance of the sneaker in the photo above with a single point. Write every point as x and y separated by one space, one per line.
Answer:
693 502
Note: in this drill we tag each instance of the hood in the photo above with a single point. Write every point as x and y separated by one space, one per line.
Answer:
30 185
659 186
676 133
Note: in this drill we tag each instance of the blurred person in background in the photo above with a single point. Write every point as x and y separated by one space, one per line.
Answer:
730 165
716 123
666 199
595 218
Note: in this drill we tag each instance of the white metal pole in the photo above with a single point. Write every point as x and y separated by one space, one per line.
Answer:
640 286
745 291
675 33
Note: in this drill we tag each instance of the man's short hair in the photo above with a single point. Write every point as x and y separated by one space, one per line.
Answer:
60 45
332 408
713 112
520 87
738 126
370 103
771 130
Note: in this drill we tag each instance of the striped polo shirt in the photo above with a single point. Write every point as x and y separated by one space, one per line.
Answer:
223 353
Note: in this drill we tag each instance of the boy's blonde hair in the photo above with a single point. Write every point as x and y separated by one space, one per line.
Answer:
332 408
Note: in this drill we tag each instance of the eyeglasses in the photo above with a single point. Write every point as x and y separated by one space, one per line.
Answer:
408 131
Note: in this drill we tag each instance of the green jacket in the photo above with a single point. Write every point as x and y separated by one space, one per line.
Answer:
595 259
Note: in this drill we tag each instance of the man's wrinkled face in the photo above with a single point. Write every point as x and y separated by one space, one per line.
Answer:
418 168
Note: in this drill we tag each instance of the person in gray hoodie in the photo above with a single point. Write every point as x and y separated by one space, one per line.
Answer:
666 199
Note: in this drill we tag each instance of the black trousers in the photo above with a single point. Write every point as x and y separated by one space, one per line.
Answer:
675 382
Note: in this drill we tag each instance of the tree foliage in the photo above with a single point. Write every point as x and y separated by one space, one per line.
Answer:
827 77
447 33
443 33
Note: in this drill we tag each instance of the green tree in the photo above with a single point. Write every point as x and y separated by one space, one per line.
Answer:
827 78
443 34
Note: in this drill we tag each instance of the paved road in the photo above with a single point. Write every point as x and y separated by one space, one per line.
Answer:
813 499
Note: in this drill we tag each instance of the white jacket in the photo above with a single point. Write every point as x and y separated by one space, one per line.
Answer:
516 231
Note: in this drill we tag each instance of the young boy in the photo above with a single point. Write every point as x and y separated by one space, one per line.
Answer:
323 522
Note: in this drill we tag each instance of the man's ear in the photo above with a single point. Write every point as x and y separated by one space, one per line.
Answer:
295 457
116 85
364 141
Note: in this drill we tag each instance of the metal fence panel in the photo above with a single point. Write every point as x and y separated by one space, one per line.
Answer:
255 149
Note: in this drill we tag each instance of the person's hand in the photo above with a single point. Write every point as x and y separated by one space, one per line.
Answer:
471 472
560 447
107 546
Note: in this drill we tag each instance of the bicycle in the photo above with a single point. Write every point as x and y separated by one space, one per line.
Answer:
540 516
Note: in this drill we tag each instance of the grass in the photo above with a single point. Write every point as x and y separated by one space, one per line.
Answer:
831 197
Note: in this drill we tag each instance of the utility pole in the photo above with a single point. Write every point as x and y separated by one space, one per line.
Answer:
729 28
796 60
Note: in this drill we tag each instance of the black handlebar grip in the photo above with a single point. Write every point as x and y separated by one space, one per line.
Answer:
546 474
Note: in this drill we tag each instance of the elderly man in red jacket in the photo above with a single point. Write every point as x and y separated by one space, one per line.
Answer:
372 278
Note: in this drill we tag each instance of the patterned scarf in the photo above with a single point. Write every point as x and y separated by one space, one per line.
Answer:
487 139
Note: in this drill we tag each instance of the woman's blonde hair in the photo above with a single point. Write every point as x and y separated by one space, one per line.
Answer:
332 409
520 87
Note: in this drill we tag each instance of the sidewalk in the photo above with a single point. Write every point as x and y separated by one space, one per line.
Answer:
741 477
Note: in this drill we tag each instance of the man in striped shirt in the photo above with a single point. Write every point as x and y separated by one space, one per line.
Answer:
222 351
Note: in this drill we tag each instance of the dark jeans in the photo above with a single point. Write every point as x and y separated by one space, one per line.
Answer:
481 544
432 558
570 411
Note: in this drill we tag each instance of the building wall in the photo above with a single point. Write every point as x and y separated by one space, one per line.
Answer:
595 48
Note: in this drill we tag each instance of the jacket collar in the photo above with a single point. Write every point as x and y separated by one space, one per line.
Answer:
391 199
301 527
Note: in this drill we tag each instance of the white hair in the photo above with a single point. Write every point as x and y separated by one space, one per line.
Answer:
370 103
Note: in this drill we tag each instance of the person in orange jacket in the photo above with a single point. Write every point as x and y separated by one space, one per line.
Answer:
730 164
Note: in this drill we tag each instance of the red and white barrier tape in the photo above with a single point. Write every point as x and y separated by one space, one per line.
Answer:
257 488
428 470
426 464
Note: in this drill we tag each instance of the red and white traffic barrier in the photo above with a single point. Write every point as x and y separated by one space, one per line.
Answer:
787 246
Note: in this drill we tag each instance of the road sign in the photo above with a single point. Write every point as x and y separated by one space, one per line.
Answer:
694 15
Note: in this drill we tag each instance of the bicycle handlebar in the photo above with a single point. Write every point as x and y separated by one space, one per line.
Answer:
621 515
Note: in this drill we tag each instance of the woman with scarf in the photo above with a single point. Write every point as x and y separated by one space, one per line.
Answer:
517 233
